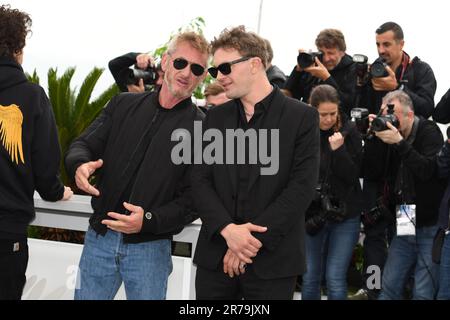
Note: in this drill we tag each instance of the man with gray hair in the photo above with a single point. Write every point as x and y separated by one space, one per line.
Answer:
402 159
141 197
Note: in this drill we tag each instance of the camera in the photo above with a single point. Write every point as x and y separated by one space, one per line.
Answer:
307 59
360 116
375 215
325 207
149 75
361 69
380 122
378 68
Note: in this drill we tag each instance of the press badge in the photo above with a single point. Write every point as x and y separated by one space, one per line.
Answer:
406 220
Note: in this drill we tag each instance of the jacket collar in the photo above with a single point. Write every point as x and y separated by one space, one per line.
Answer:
11 73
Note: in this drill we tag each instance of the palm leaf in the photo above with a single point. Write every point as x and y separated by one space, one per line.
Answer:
84 96
96 106
72 109
34 78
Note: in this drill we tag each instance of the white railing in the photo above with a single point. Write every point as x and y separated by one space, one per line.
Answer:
52 266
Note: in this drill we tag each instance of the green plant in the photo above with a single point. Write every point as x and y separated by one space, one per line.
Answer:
34 232
358 257
74 109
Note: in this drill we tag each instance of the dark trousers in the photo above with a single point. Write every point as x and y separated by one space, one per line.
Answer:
377 239
13 265
216 285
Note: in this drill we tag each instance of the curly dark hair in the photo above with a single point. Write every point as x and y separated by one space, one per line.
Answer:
14 28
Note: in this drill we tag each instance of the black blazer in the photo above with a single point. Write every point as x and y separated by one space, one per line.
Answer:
279 200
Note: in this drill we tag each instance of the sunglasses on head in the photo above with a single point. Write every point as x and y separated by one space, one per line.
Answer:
225 68
196 69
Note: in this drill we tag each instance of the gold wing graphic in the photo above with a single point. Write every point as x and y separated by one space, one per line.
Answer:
11 119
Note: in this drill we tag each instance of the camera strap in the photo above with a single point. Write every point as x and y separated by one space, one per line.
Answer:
404 182
406 212
405 64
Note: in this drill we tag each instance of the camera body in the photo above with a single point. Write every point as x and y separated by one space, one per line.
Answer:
307 59
360 116
380 122
361 69
325 207
378 68
376 215
149 75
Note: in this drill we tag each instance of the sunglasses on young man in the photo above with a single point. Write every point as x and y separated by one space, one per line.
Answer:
196 69
225 68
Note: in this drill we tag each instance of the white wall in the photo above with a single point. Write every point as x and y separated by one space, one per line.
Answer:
86 33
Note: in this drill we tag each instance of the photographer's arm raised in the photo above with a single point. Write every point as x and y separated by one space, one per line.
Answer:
390 136
388 83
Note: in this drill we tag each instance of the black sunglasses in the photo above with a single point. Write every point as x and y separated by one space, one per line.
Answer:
225 68
196 69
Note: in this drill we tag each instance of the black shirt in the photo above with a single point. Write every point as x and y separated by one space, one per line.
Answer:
243 170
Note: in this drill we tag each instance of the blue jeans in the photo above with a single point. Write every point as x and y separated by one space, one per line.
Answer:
342 238
106 261
408 253
444 271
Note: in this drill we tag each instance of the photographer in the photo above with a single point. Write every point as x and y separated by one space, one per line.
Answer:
333 219
441 247
441 113
127 79
396 70
402 163
330 66
274 74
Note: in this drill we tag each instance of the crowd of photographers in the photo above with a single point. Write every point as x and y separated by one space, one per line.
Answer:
363 153
381 163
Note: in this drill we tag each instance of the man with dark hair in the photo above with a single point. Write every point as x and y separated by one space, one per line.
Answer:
274 74
142 197
29 152
413 76
334 67
416 78
251 244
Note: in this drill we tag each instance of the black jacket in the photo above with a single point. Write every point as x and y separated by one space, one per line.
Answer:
278 201
118 136
420 175
419 83
343 78
29 149
443 163
441 113
276 76
342 166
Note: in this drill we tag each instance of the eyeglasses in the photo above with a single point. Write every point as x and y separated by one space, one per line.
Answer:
225 68
196 69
